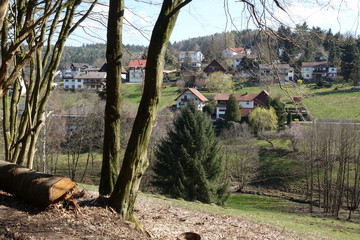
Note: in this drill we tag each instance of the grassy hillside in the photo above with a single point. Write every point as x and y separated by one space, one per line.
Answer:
277 212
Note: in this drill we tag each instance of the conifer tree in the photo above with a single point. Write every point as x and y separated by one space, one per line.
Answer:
188 163
232 112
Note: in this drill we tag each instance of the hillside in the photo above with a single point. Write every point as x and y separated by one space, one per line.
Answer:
165 219
322 103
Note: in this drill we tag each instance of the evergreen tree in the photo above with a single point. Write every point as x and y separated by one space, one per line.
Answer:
349 57
188 163
232 112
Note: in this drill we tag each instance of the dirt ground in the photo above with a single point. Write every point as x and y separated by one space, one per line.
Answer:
21 221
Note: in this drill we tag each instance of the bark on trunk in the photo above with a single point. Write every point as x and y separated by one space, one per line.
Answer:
111 148
135 160
34 187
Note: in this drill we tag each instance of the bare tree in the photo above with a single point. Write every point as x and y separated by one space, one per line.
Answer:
38 35
242 155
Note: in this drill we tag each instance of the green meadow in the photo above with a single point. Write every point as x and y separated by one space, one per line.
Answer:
335 102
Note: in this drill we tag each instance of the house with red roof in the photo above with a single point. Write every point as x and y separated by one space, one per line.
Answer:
191 95
247 101
136 70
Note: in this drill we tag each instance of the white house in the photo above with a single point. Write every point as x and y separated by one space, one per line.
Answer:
247 101
191 55
236 54
191 95
86 80
136 70
277 70
191 59
315 70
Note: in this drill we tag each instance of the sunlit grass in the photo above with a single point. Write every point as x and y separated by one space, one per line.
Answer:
275 212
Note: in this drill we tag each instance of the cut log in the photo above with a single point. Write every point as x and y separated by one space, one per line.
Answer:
36 188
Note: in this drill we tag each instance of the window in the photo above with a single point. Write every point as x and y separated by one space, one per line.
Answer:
79 86
79 80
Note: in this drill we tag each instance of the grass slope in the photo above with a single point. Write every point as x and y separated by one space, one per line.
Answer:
324 103
279 213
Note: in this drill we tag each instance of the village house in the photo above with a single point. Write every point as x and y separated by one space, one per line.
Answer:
214 66
317 70
136 70
277 71
86 80
191 95
191 59
247 101
236 54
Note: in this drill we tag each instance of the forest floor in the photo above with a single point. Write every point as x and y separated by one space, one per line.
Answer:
21 221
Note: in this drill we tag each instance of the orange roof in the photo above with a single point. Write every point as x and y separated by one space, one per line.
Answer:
237 50
137 63
196 93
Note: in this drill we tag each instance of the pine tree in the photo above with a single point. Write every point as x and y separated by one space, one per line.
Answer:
188 163
232 112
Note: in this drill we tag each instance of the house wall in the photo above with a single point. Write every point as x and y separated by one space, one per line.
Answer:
221 107
307 72
197 56
187 97
246 104
136 75
72 83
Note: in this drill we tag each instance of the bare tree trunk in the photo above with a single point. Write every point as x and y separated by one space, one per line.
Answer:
111 148
135 160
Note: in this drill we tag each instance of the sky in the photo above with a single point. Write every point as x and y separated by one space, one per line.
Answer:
206 17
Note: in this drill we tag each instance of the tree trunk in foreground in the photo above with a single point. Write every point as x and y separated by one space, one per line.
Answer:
34 187
135 160
111 148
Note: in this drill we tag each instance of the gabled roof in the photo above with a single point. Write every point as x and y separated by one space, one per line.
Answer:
137 63
196 93
90 75
215 64
261 98
239 97
237 50
314 64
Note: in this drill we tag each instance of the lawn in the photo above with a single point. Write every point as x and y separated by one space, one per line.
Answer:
133 92
336 102
277 212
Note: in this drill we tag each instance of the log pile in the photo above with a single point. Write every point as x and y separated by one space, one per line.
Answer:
36 188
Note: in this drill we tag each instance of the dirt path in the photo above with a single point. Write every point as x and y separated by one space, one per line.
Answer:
20 221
